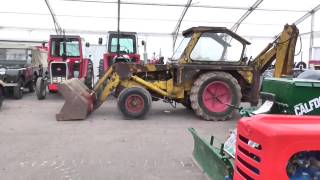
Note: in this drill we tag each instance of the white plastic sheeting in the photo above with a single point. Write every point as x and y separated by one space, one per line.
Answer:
155 20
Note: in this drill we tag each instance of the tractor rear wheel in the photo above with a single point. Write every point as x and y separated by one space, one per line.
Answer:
41 88
215 95
134 102
89 80
18 90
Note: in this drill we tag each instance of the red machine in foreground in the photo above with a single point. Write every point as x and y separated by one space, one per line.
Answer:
65 61
266 147
273 146
127 51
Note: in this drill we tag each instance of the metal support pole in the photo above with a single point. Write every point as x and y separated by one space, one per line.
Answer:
177 28
118 31
235 27
311 35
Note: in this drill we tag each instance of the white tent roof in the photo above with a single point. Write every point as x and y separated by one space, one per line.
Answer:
31 20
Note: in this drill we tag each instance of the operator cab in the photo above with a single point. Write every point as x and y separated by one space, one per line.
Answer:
127 41
211 45
65 47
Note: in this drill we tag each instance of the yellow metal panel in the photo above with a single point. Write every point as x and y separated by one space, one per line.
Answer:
186 57
247 75
112 84
150 86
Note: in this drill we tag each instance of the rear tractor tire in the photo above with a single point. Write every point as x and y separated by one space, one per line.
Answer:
41 88
215 95
134 102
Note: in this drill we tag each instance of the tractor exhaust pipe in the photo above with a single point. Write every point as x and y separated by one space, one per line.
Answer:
79 100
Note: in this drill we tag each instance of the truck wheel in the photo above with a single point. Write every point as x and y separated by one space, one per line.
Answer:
134 102
215 95
18 91
41 89
101 68
1 95
89 80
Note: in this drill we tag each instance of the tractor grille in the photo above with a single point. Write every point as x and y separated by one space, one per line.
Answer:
248 158
59 72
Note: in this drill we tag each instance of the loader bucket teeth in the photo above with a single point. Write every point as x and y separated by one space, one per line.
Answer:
78 100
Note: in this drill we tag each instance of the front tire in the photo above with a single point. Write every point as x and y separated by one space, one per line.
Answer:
41 88
134 102
215 95
18 90
89 80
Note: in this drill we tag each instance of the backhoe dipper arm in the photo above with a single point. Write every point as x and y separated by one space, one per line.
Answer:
282 49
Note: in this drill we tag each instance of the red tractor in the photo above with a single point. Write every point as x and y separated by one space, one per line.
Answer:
65 61
124 51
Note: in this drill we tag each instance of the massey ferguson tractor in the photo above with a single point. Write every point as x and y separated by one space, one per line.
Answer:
65 61
126 52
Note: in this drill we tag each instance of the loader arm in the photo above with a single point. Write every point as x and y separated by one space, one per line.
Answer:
282 50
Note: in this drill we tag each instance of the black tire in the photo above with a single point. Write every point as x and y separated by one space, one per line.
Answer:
31 86
41 88
18 90
200 86
89 79
139 95
1 96
301 64
101 68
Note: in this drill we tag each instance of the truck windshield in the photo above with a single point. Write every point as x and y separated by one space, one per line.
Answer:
15 54
126 45
177 54
72 47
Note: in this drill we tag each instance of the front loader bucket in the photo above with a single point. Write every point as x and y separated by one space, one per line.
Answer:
210 159
78 100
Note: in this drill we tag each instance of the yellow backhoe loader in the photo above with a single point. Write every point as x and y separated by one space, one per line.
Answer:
209 73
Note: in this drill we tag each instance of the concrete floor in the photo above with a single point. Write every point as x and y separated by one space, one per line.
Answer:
33 145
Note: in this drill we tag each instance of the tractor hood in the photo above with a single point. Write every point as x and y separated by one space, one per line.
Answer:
11 72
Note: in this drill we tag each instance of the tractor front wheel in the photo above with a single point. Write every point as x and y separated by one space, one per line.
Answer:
134 102
215 95
89 80
41 88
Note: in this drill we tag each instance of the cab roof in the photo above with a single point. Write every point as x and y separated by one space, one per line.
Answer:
214 30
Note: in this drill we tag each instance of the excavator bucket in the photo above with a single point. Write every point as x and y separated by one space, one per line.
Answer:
78 100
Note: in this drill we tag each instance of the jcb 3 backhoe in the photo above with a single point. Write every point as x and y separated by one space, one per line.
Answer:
209 73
